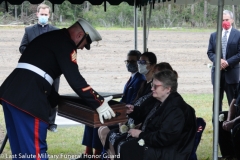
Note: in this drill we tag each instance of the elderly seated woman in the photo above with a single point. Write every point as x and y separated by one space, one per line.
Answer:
169 129
143 98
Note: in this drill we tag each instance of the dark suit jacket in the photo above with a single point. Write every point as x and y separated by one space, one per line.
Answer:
131 89
232 56
31 32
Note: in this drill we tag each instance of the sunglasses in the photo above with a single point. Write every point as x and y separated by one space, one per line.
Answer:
154 86
132 61
89 41
143 62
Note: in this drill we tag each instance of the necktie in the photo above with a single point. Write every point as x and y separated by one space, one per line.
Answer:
224 44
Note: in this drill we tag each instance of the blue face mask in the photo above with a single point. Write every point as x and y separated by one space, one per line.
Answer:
43 19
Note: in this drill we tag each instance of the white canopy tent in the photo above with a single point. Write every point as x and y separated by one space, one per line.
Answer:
220 4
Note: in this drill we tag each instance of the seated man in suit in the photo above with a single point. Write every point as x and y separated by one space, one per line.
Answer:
229 125
133 85
43 13
90 138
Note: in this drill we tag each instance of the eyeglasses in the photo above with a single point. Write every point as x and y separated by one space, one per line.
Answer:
155 86
131 61
143 62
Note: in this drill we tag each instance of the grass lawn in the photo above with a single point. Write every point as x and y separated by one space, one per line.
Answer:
67 141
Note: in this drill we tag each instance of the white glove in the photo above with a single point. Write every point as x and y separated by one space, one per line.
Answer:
105 110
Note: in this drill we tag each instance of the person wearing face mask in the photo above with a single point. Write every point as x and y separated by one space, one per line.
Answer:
133 85
146 67
43 13
28 94
90 137
230 58
31 32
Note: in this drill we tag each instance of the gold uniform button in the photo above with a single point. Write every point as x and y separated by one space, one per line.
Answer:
92 91
97 95
101 100
45 91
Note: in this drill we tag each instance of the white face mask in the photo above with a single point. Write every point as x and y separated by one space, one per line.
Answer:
142 68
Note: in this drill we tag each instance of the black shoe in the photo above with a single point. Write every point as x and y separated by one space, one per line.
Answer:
52 128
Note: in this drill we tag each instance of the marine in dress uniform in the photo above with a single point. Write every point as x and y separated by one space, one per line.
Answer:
27 94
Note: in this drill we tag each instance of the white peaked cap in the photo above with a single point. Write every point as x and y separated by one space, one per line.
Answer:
88 29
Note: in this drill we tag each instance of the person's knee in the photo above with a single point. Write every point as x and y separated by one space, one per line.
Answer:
102 133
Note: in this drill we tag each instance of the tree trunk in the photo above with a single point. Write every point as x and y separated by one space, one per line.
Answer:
140 22
237 15
234 16
22 12
86 6
205 13
15 7
60 19
52 12
169 11
169 15
192 9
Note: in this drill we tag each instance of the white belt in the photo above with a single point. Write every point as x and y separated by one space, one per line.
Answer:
36 70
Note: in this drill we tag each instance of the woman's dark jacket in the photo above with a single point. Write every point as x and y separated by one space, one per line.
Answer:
169 133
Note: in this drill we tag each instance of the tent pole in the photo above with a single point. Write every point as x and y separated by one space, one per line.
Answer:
145 28
135 25
149 19
217 80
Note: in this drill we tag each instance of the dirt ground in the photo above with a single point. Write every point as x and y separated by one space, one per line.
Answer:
103 66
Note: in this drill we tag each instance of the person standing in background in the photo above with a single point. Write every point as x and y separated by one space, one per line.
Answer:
230 58
43 13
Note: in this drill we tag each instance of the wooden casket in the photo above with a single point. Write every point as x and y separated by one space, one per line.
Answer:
74 108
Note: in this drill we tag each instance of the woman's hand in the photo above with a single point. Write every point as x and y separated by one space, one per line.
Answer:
134 132
130 108
228 125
